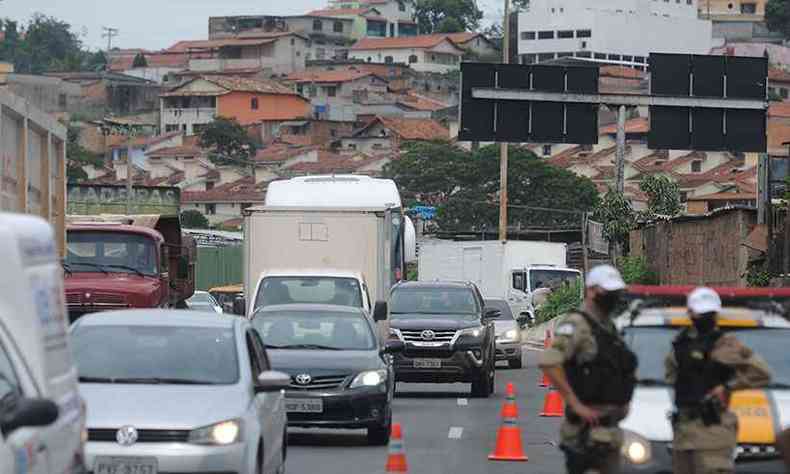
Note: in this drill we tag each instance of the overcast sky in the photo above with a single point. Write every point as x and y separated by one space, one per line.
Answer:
156 24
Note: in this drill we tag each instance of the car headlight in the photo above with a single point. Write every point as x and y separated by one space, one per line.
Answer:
226 432
395 334
474 332
369 378
636 449
511 335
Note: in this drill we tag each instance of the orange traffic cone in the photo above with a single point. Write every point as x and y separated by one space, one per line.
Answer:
553 404
508 438
396 458
545 381
510 408
547 339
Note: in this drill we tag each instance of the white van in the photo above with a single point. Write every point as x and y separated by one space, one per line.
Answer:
42 416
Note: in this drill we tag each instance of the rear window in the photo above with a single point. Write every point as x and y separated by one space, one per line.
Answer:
309 290
502 306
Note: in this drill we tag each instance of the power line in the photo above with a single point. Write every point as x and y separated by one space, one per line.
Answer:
109 33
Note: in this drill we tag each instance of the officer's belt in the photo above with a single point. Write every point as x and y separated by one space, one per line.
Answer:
607 421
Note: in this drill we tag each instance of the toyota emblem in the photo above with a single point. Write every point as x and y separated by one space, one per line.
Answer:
303 379
428 335
126 436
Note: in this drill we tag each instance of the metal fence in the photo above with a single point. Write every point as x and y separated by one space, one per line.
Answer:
218 266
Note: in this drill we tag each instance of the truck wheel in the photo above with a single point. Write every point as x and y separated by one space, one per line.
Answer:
514 363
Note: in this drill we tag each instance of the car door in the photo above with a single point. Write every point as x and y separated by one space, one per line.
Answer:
270 406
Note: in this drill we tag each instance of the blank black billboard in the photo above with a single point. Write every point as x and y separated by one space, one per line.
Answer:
548 78
708 75
669 128
581 123
746 77
669 74
582 80
477 116
707 132
746 130
512 121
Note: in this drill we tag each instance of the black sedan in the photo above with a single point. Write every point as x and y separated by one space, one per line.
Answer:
340 376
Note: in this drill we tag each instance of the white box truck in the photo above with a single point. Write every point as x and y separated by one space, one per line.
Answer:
326 239
510 270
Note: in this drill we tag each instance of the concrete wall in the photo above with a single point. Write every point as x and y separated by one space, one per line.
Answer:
698 251
49 94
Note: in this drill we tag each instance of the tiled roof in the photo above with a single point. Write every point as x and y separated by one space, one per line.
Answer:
175 151
411 129
157 59
778 75
278 152
779 109
339 11
400 42
621 72
332 163
327 76
634 125
241 84
421 102
301 140
565 157
241 190
149 141
728 196
220 43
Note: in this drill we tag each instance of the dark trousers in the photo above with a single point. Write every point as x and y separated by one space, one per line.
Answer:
583 463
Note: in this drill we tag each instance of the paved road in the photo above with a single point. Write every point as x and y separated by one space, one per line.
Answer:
445 432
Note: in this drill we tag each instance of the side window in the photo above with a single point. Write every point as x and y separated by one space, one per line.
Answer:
260 349
518 281
252 353
9 383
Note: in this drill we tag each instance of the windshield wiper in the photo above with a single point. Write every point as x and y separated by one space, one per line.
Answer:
306 346
651 382
127 267
92 265
97 380
146 380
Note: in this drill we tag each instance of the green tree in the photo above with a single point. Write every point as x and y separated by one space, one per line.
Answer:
447 16
777 16
663 196
618 218
48 45
228 142
560 301
96 61
193 219
139 61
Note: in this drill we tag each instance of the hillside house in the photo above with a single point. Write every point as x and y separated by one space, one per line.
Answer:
426 53
385 134
332 93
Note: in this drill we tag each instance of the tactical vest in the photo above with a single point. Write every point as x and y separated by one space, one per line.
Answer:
608 379
697 373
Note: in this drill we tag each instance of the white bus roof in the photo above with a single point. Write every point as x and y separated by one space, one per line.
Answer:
335 191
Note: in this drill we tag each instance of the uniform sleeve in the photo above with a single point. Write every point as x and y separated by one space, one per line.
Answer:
670 368
563 346
751 370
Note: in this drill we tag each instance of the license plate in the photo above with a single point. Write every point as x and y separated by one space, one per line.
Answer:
427 363
304 405
125 465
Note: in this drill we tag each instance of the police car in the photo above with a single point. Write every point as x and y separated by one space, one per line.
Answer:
762 414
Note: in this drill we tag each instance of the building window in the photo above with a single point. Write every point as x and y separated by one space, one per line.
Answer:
565 55
331 91
639 59
171 127
783 93
352 146
412 59
600 56
254 103
198 128
62 101
211 209
583 54
545 57
696 166
614 57
337 27
388 59
729 6
392 29
684 196
527 35
583 33
209 185
317 25
311 91
749 8
528 58
545 35
546 150
293 41
401 6
565 34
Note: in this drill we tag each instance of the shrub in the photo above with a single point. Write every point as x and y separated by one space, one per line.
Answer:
636 271
562 300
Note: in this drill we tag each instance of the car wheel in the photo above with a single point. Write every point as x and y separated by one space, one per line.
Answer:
379 435
514 363
481 388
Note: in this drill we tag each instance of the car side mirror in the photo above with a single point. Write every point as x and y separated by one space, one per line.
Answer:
393 346
492 314
272 381
380 311
29 412
239 306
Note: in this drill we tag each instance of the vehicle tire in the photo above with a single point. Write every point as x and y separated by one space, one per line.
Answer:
514 363
379 435
481 388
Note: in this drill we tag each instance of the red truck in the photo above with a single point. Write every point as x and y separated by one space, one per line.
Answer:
116 260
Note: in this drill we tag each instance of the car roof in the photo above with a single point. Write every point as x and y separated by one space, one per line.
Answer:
434 284
326 308
730 317
311 272
159 317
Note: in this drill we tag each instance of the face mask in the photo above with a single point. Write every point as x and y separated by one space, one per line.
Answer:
608 301
704 323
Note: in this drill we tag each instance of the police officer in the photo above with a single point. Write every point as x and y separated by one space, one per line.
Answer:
596 373
704 366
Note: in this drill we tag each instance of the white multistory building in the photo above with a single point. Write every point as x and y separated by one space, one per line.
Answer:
611 31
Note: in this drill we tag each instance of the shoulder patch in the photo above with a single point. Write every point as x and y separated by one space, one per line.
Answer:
565 329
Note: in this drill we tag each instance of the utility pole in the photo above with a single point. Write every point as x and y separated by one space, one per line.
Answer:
109 33
620 150
503 146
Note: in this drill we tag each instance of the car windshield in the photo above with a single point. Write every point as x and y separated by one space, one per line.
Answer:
552 279
502 306
110 252
652 344
309 290
327 330
433 300
155 353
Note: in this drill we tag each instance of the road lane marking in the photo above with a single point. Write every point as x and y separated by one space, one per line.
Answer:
462 402
455 432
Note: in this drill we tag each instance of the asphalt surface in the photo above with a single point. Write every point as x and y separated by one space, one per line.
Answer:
445 431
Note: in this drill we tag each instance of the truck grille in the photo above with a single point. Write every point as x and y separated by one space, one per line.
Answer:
320 383
755 452
107 298
143 436
73 298
423 335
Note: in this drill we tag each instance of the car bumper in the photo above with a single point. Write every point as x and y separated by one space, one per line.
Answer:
347 409
176 457
508 350
455 366
661 463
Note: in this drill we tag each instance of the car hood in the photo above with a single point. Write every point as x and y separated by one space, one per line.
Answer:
118 283
174 407
320 363
648 415
432 321
505 325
